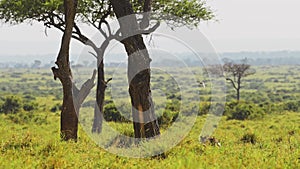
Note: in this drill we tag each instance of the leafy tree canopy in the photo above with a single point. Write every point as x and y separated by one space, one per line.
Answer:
174 12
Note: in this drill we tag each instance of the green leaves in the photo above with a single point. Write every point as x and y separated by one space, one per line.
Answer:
182 12
175 13
18 11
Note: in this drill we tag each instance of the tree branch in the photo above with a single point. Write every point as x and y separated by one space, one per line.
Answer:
85 89
146 15
108 80
56 73
120 38
232 82
150 30
93 54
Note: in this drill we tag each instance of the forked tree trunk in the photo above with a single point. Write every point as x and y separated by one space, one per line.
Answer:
72 96
69 120
101 87
101 83
145 123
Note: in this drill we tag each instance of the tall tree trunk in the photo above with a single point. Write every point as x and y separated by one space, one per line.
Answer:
101 84
69 119
101 87
145 123
100 95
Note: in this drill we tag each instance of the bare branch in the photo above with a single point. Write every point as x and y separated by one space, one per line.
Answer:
93 54
85 89
77 29
150 30
102 31
139 32
108 80
237 71
232 82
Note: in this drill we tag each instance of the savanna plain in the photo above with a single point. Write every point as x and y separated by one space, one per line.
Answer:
261 131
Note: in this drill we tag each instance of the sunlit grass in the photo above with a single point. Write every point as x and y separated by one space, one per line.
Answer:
31 139
39 146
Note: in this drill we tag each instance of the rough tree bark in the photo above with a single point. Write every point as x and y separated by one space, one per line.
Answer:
145 123
101 83
72 97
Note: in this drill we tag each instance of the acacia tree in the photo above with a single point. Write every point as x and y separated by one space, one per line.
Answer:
236 72
51 14
19 11
69 120
145 123
95 12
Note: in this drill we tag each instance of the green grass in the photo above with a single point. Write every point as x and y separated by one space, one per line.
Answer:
30 145
31 139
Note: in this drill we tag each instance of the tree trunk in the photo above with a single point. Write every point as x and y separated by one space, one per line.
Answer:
100 95
144 120
101 87
238 89
69 119
238 95
145 123
101 84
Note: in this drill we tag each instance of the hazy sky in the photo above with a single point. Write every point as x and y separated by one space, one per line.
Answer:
255 25
243 25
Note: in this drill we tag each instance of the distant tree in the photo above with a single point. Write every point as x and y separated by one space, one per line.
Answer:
36 64
235 73
11 105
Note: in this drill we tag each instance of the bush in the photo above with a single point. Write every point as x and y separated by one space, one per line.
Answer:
291 106
173 105
167 118
192 108
28 117
170 112
204 108
111 113
271 107
243 111
211 108
11 105
56 108
30 106
249 138
28 97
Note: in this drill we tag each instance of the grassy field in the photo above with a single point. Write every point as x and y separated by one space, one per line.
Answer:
30 139
32 145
